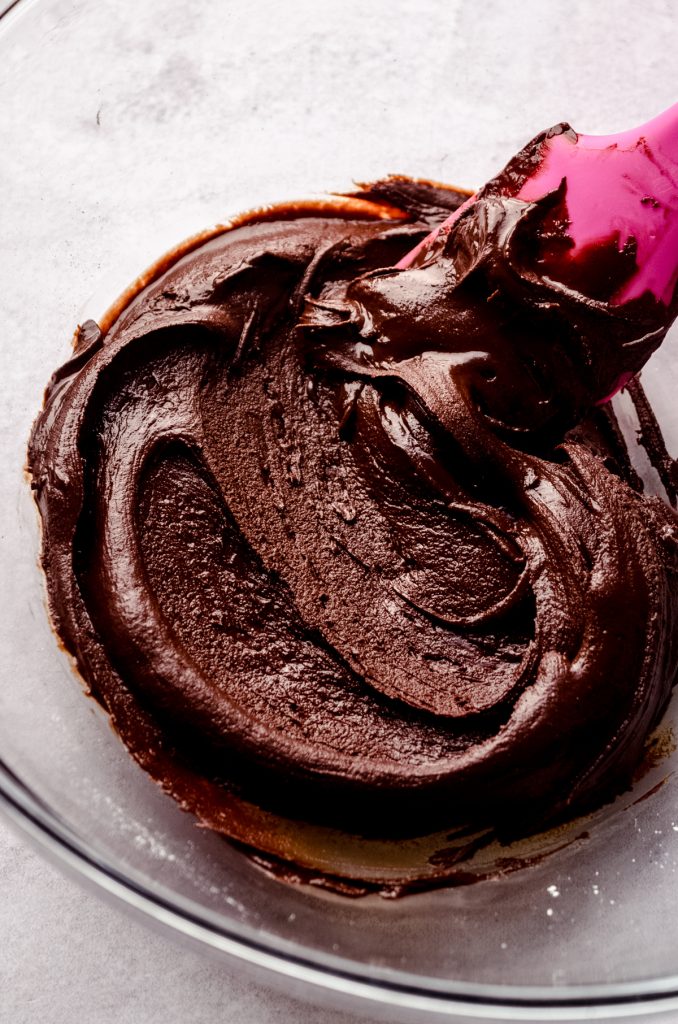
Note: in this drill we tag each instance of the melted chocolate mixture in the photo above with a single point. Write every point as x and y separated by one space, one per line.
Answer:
350 547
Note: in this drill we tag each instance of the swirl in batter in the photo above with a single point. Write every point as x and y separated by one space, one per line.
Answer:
352 548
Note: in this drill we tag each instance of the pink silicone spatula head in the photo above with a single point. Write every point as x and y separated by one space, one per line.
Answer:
623 186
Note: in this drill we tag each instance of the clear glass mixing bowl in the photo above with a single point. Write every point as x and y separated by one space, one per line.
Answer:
126 125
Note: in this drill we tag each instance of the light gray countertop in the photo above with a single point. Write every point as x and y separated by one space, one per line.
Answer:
66 956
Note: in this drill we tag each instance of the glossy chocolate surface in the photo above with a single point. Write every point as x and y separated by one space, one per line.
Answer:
346 545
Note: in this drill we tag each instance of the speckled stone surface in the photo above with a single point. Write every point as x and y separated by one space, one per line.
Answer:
65 955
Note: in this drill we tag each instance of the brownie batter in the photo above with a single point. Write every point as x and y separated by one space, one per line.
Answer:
347 550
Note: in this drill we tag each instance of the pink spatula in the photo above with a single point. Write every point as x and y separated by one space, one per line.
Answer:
624 185
620 187
627 185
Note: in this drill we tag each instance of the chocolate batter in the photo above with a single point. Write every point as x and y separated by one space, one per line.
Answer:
346 550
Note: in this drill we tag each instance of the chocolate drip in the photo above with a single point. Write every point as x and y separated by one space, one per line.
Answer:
650 437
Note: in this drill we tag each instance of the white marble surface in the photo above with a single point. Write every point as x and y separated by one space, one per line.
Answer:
65 955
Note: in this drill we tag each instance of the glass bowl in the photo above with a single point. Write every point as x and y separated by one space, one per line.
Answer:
127 125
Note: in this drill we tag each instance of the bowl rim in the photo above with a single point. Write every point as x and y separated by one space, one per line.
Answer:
241 942
185 918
